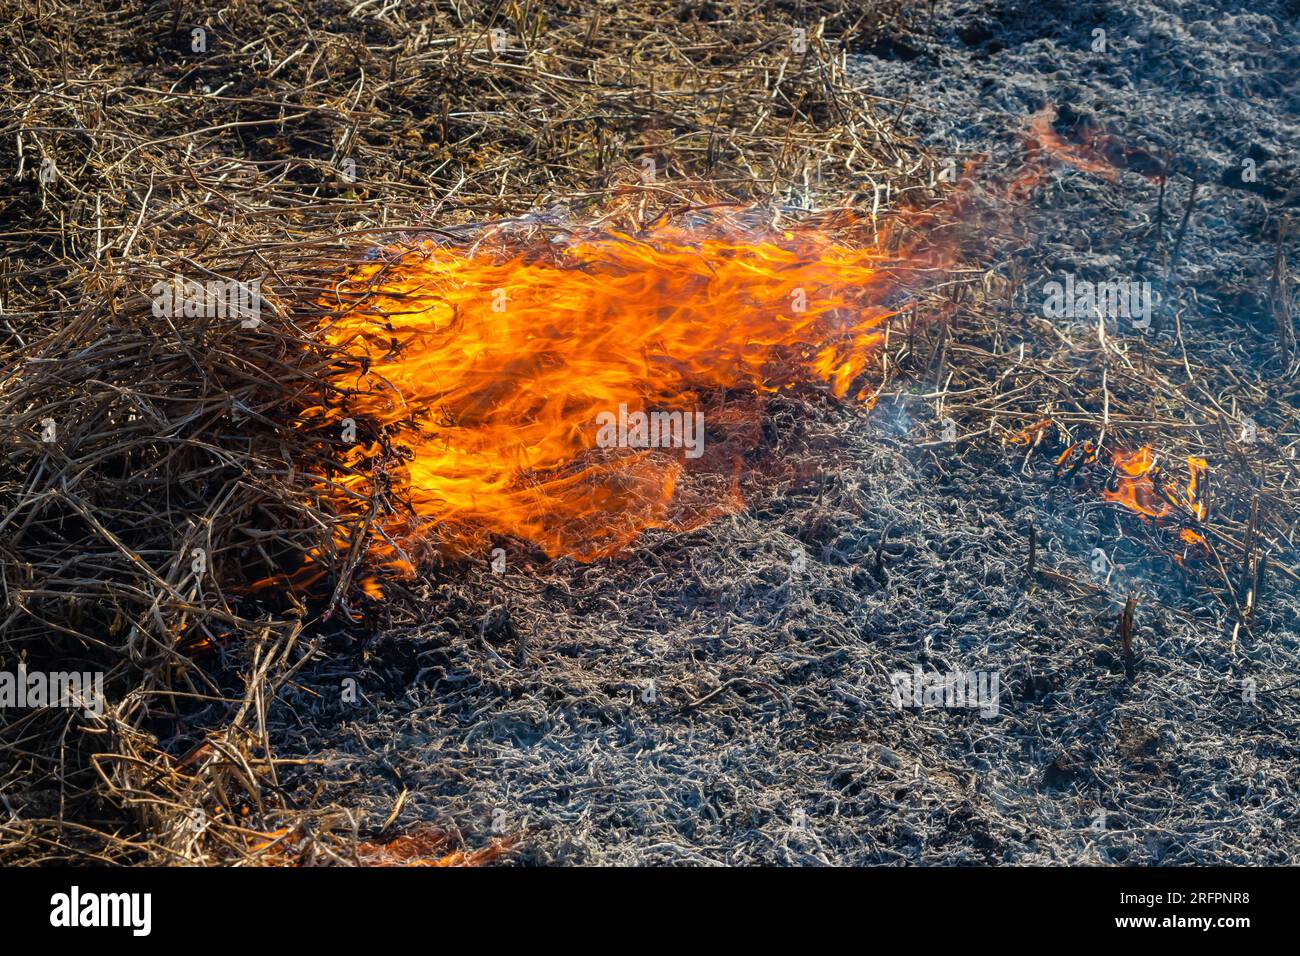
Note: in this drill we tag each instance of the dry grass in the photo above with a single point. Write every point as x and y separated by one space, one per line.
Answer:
181 434
177 434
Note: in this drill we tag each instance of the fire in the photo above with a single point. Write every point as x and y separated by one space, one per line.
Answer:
426 847
1141 487
1140 484
487 370
1043 138
479 373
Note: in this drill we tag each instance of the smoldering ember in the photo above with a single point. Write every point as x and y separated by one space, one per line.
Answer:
356 364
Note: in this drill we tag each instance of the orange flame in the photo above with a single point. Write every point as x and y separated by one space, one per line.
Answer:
1143 488
427 847
1140 486
482 372
1085 157
489 370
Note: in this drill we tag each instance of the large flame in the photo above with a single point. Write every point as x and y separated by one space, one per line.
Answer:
490 368
482 372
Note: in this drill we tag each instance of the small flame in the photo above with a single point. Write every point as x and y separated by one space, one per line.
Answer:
427 847
1141 486
1032 434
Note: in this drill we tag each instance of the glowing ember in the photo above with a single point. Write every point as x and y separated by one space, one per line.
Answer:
427 847
491 369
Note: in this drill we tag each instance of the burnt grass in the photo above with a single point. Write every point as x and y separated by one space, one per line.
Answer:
520 706
723 695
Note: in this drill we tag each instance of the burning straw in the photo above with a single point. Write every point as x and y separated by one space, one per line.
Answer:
161 462
156 459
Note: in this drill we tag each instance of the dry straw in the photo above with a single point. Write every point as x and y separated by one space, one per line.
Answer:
279 144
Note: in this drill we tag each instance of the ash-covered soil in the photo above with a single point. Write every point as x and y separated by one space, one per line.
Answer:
723 696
